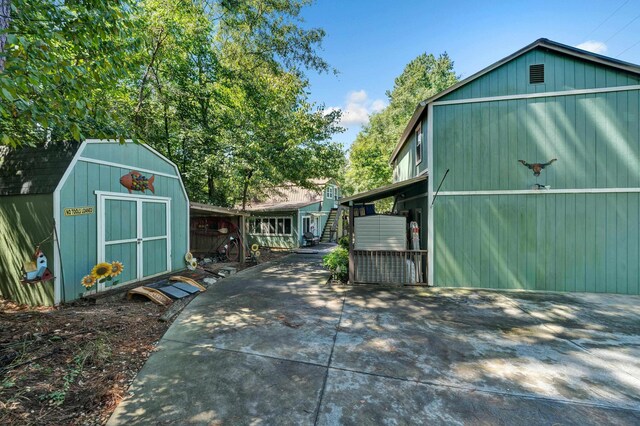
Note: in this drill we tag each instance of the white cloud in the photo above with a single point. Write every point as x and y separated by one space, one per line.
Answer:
357 108
593 46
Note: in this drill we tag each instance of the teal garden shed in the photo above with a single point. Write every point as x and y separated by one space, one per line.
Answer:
526 175
81 204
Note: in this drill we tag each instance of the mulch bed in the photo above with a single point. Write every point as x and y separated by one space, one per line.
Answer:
73 364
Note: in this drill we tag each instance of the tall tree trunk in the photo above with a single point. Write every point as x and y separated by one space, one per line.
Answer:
184 153
5 20
166 131
211 188
245 189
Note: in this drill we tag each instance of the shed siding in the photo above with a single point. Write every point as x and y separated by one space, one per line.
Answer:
544 241
78 234
25 220
128 154
594 137
555 242
405 165
561 73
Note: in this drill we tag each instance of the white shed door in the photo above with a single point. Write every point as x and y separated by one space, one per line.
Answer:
134 231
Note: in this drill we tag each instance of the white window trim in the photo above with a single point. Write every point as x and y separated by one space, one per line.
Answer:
330 192
420 142
276 234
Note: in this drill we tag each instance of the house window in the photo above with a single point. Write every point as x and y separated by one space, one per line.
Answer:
418 133
330 193
270 226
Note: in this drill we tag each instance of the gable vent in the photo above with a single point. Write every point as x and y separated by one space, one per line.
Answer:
536 74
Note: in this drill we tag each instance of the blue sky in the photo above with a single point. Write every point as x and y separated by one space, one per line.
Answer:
370 42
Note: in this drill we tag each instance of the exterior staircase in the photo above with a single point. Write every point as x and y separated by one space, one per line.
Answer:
326 232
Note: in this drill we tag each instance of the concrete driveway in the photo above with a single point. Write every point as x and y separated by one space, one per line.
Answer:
277 345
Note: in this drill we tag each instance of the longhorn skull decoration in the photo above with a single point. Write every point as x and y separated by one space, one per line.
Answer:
536 167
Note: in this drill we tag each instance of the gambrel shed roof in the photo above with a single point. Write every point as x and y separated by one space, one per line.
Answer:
34 170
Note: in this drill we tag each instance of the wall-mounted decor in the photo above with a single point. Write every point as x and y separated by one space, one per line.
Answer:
536 167
135 181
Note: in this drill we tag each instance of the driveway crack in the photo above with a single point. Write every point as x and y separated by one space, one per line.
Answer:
326 375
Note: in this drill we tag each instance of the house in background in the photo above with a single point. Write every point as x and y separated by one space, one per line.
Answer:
282 220
525 175
87 203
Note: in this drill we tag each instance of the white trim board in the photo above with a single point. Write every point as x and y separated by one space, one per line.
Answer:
537 95
430 221
125 196
126 166
541 191
139 239
57 261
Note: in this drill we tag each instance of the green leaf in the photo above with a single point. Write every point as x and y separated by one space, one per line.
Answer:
7 95
75 131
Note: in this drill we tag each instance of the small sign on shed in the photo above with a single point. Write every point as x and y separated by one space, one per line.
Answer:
77 211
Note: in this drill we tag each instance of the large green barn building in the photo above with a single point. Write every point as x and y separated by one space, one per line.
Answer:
542 192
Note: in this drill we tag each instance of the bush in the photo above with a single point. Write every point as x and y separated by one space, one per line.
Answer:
344 242
338 263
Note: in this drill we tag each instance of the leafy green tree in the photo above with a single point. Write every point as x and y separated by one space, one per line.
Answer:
228 101
217 86
60 59
422 78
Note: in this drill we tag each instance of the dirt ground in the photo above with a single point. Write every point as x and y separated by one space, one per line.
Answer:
73 364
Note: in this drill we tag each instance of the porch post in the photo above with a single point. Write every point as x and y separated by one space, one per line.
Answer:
352 272
243 253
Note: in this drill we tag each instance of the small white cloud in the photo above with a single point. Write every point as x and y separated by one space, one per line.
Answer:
593 46
358 96
357 108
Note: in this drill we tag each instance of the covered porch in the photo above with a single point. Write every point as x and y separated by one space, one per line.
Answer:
387 248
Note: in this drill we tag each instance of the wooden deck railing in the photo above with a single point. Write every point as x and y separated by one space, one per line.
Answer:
405 267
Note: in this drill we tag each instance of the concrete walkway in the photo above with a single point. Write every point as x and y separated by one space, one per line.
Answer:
277 345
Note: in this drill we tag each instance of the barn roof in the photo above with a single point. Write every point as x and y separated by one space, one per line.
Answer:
34 170
290 197
542 42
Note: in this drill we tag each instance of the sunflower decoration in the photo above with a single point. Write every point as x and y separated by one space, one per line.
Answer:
101 270
116 268
101 273
88 281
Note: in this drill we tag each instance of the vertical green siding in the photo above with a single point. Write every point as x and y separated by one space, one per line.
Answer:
554 242
129 154
558 242
561 73
78 234
25 220
594 137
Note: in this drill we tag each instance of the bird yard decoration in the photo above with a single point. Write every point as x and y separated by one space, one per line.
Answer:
37 271
537 167
135 181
